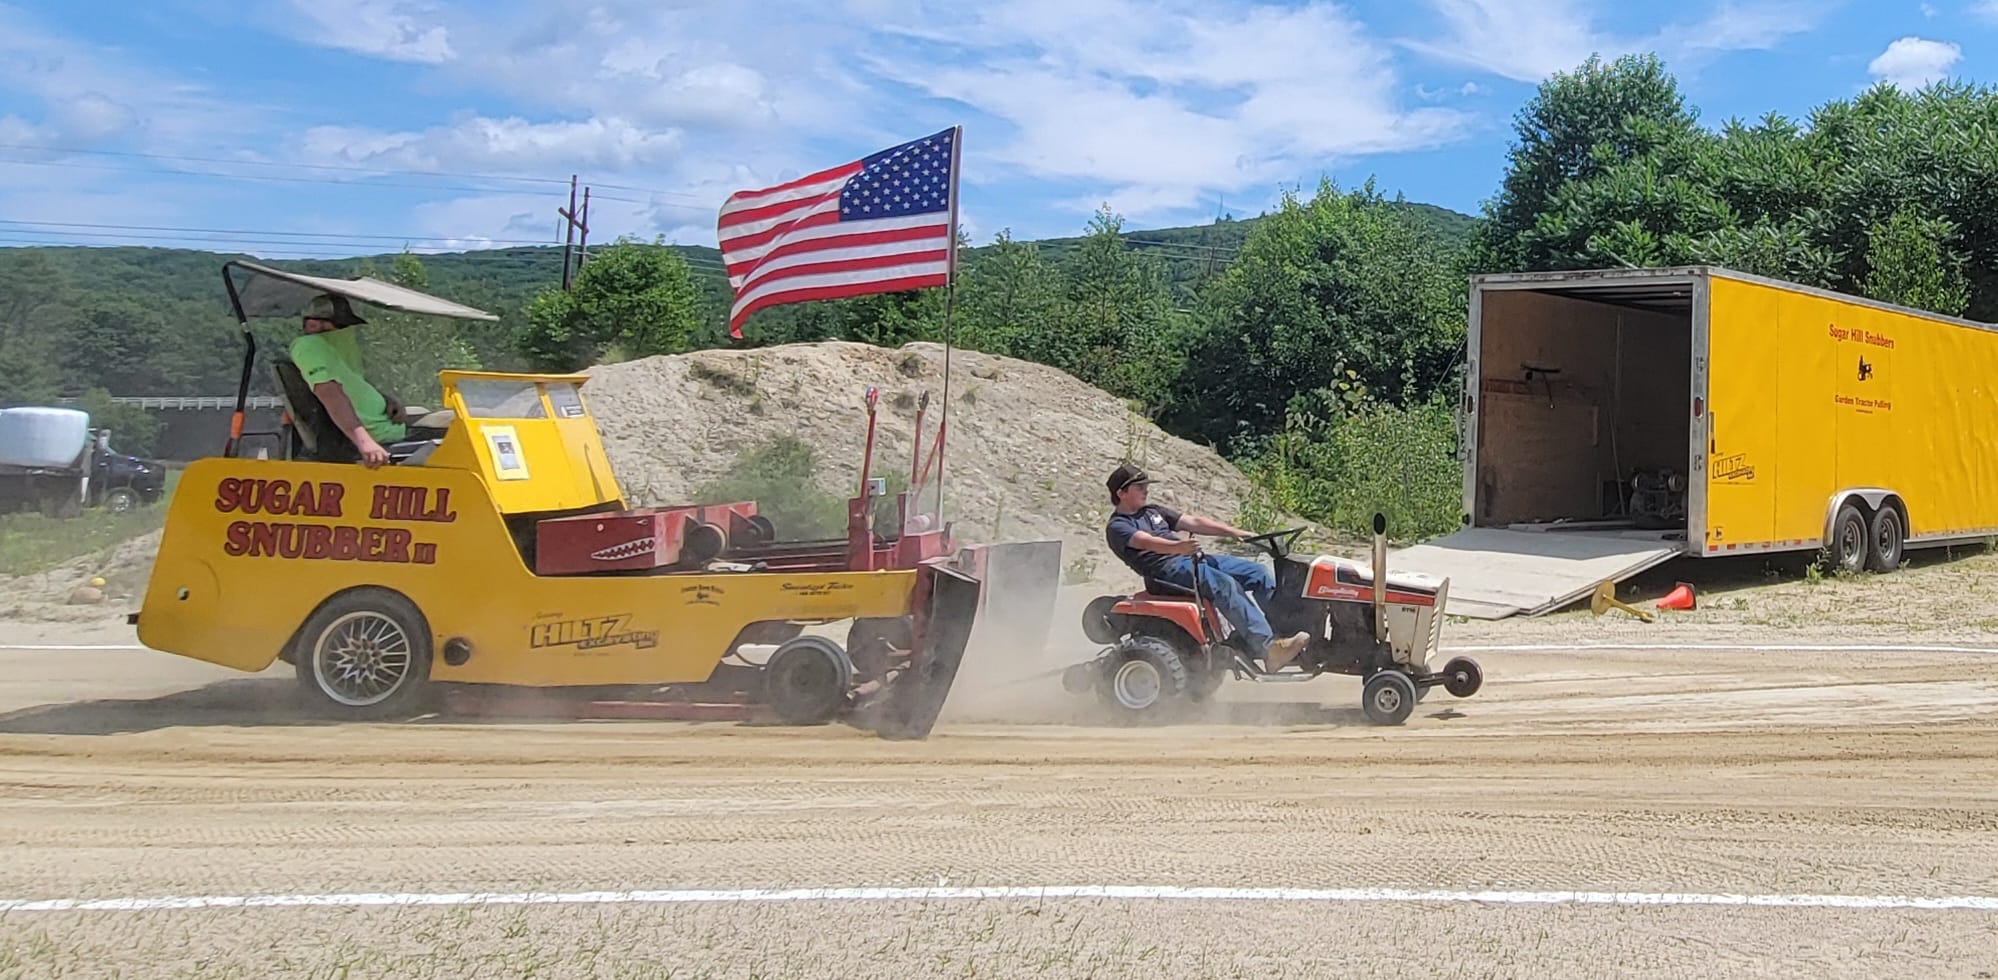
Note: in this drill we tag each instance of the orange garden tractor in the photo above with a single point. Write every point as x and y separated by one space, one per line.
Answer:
1168 647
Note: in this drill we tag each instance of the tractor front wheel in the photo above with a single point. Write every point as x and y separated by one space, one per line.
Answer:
1388 697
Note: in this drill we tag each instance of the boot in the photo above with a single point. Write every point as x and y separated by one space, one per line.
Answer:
1283 651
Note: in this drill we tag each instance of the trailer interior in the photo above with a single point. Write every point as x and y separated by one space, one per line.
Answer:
1584 408
1582 400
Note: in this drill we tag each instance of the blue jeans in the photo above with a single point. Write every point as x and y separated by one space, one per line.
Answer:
1228 581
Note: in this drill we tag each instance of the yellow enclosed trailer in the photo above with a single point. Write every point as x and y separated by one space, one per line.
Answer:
1614 420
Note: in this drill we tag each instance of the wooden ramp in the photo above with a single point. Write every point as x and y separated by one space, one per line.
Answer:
1496 572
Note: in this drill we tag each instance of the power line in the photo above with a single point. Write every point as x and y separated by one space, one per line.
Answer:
260 246
326 181
262 232
342 168
379 171
368 185
222 240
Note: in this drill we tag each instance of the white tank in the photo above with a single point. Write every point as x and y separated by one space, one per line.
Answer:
42 436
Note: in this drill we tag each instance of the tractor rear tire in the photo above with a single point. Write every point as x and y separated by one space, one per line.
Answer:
1848 541
1147 679
1388 697
366 655
806 680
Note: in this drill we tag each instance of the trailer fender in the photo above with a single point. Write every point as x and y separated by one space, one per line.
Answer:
1870 500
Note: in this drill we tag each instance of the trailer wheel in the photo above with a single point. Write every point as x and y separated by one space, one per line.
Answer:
806 680
1885 539
1849 538
366 654
1147 679
1388 697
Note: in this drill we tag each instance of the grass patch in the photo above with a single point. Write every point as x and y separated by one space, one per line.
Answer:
722 378
31 543
1340 464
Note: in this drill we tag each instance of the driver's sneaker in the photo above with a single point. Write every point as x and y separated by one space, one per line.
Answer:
1283 651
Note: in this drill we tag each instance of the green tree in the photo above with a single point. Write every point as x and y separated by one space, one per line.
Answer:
38 314
632 299
1010 298
134 431
1604 170
1344 288
1909 262
402 352
1123 331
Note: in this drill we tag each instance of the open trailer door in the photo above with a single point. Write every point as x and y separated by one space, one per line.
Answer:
1499 572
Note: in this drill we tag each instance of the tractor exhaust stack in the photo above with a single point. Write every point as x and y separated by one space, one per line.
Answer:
1380 578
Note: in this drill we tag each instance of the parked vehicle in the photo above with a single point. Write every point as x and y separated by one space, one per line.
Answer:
52 460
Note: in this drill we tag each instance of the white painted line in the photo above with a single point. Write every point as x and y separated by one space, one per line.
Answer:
1719 648
68 647
1013 893
1487 648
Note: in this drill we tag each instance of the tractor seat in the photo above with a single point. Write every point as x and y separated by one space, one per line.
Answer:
315 437
1156 591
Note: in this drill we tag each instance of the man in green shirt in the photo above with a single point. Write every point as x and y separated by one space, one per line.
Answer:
328 355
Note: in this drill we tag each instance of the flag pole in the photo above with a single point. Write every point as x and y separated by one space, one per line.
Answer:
950 303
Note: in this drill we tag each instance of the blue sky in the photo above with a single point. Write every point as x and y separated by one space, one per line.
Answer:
295 127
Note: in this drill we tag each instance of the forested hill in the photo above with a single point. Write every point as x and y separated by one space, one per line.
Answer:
154 321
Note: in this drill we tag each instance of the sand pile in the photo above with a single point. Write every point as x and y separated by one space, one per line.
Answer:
1028 449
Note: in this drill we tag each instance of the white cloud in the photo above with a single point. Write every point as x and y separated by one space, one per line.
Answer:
1165 102
485 144
1987 9
391 29
1912 62
91 93
1528 40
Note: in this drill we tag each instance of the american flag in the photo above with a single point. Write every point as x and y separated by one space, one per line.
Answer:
881 224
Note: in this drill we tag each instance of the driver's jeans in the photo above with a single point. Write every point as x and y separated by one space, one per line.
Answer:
1230 581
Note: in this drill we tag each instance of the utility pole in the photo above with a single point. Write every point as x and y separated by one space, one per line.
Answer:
574 221
568 231
583 241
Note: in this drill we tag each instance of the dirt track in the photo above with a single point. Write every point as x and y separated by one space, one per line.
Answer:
1712 772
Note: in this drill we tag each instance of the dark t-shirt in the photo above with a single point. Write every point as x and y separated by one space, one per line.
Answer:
1151 519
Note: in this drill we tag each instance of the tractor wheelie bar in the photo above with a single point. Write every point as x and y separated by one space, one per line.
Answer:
1166 651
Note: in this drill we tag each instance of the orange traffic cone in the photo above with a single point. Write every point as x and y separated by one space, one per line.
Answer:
1679 599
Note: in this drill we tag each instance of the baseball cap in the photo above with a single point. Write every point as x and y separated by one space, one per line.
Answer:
326 306
1125 476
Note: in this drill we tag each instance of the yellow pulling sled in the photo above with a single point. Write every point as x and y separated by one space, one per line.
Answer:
503 552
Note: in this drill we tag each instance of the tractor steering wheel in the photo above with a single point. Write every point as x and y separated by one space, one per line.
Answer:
1277 543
